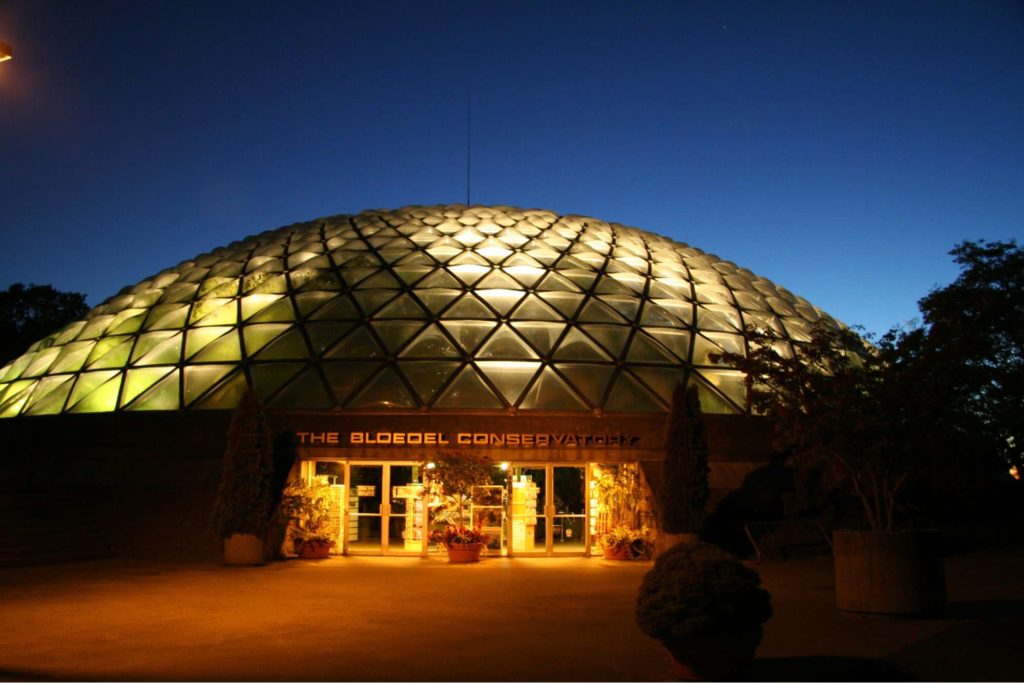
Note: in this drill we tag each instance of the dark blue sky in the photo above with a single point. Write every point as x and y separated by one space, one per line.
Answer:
839 149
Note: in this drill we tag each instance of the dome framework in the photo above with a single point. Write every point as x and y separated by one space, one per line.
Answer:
422 308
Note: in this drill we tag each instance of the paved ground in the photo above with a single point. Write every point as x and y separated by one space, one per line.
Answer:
413 619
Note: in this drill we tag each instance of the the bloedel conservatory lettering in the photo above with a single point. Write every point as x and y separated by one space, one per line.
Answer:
513 440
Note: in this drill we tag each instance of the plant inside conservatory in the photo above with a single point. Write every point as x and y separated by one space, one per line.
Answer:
307 506
245 499
683 492
621 529
451 478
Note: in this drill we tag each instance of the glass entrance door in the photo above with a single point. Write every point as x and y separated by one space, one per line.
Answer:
548 506
385 510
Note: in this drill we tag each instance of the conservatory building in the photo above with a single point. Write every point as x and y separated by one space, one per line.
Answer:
549 343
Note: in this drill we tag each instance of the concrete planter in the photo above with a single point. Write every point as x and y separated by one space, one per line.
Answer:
464 552
889 572
242 549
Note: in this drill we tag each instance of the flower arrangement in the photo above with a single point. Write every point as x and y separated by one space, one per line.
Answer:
459 535
622 540
307 507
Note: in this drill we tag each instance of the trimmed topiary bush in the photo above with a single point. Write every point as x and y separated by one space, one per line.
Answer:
683 495
698 589
245 499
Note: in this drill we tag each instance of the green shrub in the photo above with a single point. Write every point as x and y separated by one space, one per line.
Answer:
244 499
700 589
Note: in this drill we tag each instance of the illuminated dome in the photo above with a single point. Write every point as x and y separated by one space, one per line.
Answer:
422 308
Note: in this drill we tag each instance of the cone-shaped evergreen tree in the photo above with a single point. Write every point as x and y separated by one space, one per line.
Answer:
683 496
244 499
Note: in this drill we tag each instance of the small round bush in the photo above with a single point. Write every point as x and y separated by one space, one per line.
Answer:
700 589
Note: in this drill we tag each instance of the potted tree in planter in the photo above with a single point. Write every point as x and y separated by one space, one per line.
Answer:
683 493
308 508
865 418
706 607
451 477
244 500
621 530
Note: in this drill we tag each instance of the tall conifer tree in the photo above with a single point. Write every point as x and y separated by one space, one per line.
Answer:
244 499
683 495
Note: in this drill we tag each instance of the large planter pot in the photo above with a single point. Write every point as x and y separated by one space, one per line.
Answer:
241 549
715 656
314 550
897 572
617 553
464 552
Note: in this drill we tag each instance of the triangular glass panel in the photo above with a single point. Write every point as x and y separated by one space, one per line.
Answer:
436 300
427 377
629 396
15 397
533 308
733 343
254 303
88 382
167 317
468 258
565 302
358 344
501 299
498 280
683 310
44 358
469 272
505 343
718 318
662 381
289 346
431 343
354 275
412 274
541 335
396 333
372 300
325 335
137 381
162 396
584 279
386 390
553 282
525 276
510 377
655 315
307 302
341 308
550 392
264 283
148 341
468 308
166 352
219 287
418 258
596 312
589 379
199 379
90 397
324 281
393 254
468 391
612 338
468 333
49 396
711 401
214 312
382 280
626 306
267 378
643 349
578 346
676 341
440 279
258 336
223 348
606 285
345 377
73 356
305 391
404 306
127 322
281 311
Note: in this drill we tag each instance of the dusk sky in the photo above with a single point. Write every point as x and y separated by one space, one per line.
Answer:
839 149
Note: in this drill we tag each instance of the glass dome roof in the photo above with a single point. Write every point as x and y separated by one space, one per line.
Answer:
424 307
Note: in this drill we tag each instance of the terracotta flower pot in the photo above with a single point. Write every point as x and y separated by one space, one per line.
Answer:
315 550
715 656
464 552
620 552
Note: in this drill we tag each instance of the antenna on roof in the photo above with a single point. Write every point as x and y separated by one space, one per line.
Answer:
469 141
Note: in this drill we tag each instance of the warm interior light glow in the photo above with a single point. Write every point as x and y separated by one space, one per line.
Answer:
504 467
5 52
431 465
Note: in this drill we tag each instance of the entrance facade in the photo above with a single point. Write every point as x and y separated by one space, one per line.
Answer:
530 509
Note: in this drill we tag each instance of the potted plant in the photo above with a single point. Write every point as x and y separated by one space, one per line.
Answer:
244 499
864 418
624 543
683 493
451 478
307 506
706 607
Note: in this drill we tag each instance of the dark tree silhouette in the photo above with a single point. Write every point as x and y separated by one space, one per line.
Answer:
30 313
683 495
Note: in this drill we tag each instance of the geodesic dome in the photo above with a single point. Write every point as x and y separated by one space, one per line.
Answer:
420 308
